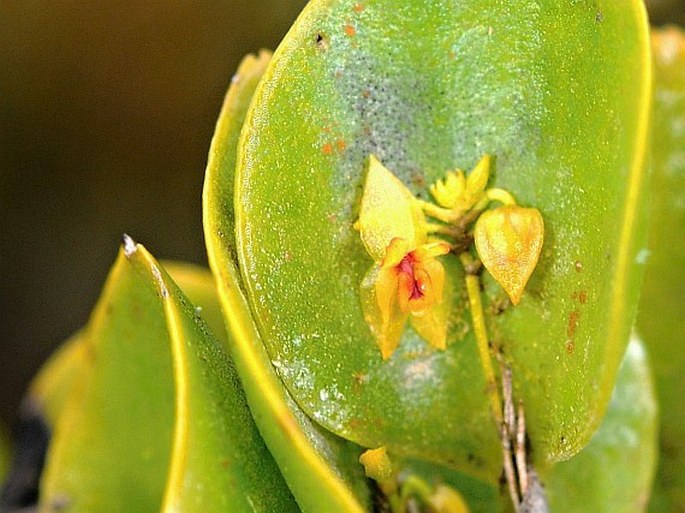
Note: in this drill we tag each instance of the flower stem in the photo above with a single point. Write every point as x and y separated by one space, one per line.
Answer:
500 195
478 318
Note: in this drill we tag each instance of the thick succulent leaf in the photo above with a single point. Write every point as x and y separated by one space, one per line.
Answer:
661 321
612 474
52 385
558 93
54 382
157 414
321 469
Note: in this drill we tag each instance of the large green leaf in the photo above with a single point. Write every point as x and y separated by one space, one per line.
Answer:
559 93
321 469
157 417
661 321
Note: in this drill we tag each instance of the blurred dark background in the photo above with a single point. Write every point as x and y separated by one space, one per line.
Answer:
106 114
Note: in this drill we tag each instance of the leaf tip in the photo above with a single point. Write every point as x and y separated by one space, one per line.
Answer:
130 246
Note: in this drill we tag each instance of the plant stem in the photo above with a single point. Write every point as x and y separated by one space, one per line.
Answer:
478 318
500 195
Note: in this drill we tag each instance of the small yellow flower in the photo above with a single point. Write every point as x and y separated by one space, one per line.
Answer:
407 280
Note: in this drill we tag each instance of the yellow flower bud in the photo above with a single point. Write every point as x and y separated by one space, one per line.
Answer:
376 463
508 241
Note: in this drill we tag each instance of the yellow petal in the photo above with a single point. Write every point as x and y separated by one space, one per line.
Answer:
388 210
478 178
396 251
432 325
432 249
378 293
450 190
508 241
429 319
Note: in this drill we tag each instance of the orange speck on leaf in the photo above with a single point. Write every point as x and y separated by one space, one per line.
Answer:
573 319
358 8
580 296
327 149
350 30
341 144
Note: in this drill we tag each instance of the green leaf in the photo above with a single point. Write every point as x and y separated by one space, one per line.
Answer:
612 474
157 417
429 87
322 470
53 384
660 321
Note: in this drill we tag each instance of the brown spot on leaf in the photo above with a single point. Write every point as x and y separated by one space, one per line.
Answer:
573 319
341 144
570 347
578 266
359 7
580 296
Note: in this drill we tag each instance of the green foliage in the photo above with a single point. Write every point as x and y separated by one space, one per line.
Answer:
660 319
257 387
429 87
156 417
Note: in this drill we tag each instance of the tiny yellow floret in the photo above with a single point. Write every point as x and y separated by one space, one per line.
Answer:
460 193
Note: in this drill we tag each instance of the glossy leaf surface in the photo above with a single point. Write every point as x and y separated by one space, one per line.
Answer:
429 87
661 321
157 414
321 469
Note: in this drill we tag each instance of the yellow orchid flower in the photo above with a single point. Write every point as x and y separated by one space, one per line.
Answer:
406 281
